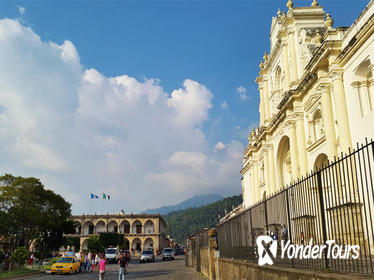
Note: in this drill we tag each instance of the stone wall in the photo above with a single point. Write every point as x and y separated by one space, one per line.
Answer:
204 261
232 269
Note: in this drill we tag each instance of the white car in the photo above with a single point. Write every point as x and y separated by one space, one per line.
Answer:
111 255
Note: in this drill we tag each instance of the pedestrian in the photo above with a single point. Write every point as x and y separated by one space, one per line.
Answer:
285 233
93 260
275 236
81 260
102 267
29 260
123 264
97 260
302 238
87 264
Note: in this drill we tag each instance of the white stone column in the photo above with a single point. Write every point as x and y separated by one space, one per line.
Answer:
291 43
272 175
262 105
257 182
341 111
364 92
356 89
293 150
286 64
301 143
253 196
371 94
266 171
266 101
371 87
328 120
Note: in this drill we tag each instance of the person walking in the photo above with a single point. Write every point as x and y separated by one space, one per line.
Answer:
81 260
302 238
93 261
102 267
285 233
89 261
123 264
97 260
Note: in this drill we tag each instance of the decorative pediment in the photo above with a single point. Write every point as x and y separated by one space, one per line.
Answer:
311 101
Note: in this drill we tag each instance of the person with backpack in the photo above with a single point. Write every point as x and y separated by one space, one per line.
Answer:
123 264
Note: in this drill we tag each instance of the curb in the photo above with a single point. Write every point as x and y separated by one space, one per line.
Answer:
23 276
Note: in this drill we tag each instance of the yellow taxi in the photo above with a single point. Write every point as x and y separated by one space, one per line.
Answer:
66 264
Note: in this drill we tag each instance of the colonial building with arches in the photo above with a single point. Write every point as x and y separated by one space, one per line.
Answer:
316 97
141 231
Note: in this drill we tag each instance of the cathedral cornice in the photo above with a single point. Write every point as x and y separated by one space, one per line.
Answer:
357 41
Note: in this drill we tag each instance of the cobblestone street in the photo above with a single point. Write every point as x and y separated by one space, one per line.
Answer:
171 270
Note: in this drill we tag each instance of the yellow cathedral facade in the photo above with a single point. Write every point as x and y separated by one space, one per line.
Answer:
316 97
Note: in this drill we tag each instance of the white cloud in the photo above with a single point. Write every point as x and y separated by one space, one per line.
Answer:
241 89
83 132
242 93
243 97
219 146
191 103
21 10
224 105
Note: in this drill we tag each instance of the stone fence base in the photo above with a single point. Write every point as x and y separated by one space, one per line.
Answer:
233 269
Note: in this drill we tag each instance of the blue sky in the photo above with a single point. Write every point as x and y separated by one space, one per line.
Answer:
217 44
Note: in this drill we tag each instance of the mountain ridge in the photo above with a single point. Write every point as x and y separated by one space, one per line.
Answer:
195 201
182 223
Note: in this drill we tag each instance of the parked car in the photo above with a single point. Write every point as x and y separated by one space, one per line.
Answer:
168 254
66 265
179 251
112 255
147 256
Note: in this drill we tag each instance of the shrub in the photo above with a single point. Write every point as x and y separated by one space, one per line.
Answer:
20 255
94 244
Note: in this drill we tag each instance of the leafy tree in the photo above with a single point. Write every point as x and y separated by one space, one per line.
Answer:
94 244
31 212
182 223
20 255
72 241
52 238
109 239
121 240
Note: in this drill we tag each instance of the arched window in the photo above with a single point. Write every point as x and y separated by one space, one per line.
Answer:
278 81
364 88
317 129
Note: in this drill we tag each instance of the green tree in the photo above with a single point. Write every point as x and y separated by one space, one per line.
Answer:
20 255
52 238
94 244
182 223
109 239
121 241
30 211
72 241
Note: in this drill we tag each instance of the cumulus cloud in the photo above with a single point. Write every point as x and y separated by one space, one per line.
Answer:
21 10
242 93
81 132
191 103
219 146
224 105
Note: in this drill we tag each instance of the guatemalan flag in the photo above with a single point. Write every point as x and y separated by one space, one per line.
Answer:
94 196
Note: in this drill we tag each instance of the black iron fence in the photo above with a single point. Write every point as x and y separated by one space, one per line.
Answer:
336 202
